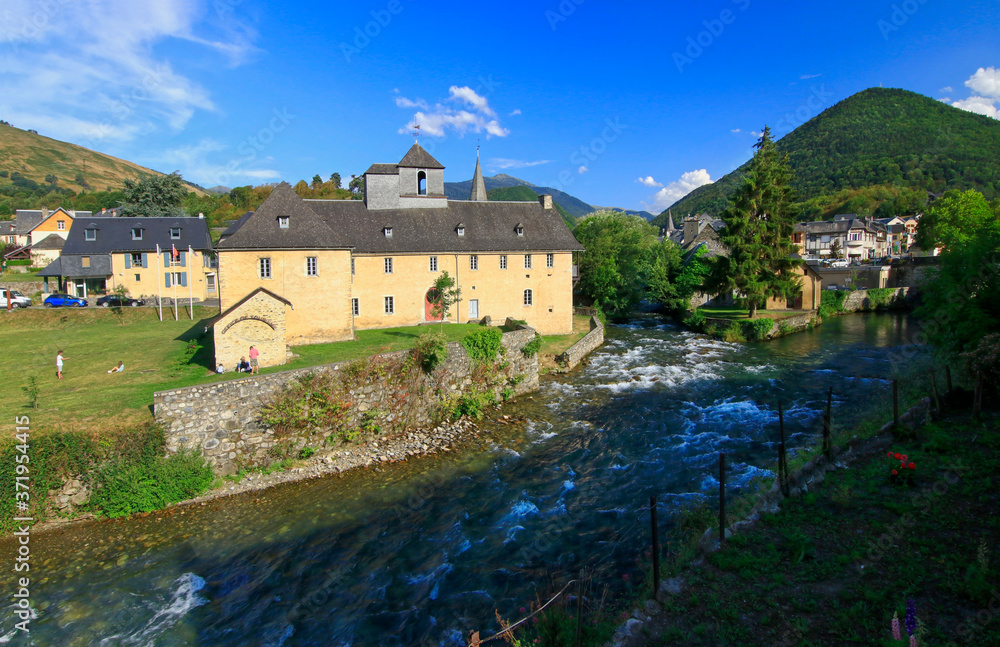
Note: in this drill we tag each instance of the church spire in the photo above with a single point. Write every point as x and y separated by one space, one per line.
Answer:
478 185
670 222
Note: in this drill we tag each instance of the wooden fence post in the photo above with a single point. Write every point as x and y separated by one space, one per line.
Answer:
656 548
722 499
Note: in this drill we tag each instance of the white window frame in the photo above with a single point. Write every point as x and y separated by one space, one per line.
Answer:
461 231
136 229
527 261
528 297
387 231
312 266
473 262
550 260
90 234
355 306
264 267
134 262
387 264
434 264
389 305
60 225
172 230
520 231
138 278
503 261
283 222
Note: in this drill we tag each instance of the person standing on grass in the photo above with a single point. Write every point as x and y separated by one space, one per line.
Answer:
254 366
59 364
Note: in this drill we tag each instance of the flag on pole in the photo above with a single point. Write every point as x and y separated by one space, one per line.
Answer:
191 284
174 254
159 300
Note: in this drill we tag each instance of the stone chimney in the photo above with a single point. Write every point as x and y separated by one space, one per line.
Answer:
692 227
45 213
545 200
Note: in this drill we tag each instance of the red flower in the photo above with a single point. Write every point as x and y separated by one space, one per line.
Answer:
898 456
913 466
889 454
894 472
903 458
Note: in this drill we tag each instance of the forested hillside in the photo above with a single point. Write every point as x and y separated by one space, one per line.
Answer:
523 193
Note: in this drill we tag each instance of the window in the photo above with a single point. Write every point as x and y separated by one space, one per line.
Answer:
387 231
138 277
283 222
550 260
388 265
312 266
178 278
527 297
352 266
503 262
175 233
85 261
90 234
389 307
265 268
60 225
421 183
461 230
210 282
434 263
136 233
520 230
473 262
527 261
355 308
136 259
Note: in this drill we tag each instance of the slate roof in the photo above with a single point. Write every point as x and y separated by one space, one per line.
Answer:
383 169
236 305
52 241
72 266
26 221
115 235
417 157
306 230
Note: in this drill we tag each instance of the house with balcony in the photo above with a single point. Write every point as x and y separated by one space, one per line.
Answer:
846 236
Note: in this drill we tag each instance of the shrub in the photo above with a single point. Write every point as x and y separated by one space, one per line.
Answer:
313 402
483 345
757 329
532 346
473 403
696 320
430 351
733 332
832 302
784 329
306 452
880 297
123 487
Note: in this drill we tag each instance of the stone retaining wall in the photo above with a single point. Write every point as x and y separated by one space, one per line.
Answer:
794 323
573 355
859 301
223 419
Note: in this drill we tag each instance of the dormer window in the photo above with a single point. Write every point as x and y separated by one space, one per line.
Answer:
90 234
175 233
387 231
283 222
460 229
136 233
421 183
519 229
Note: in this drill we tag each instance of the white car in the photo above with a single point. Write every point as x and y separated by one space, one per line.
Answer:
17 299
840 263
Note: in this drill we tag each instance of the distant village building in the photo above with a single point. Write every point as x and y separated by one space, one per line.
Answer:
39 234
312 271
849 235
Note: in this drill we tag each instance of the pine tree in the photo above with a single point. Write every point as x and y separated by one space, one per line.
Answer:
758 233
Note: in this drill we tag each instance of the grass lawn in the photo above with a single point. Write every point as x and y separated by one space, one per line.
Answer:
557 344
20 277
158 356
740 313
832 566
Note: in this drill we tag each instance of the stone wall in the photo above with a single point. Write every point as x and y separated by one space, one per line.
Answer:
27 288
573 355
794 323
859 301
223 419
259 322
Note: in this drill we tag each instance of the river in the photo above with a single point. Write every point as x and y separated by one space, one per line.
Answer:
419 553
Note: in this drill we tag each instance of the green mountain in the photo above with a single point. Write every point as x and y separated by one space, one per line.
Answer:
521 193
896 138
461 191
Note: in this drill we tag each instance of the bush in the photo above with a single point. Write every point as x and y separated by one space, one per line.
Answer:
313 402
473 403
532 346
696 320
757 329
733 332
430 351
123 487
483 345
880 297
832 302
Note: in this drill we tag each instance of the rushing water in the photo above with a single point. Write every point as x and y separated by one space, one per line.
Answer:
424 551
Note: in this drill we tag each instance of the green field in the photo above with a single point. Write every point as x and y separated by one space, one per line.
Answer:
158 356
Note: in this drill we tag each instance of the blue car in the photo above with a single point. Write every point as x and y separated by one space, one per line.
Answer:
56 300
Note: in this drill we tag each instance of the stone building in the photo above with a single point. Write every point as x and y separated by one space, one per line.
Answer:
346 265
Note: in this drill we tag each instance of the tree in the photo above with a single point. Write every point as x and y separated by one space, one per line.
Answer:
317 181
956 220
242 197
666 268
758 233
443 296
357 187
335 178
618 261
153 196
51 179
835 250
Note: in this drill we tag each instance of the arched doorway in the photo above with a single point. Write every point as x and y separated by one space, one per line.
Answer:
429 299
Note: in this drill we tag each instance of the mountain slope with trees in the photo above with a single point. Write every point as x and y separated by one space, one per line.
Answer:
574 206
522 193
901 141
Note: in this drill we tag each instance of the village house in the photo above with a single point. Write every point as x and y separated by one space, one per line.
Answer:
39 234
850 236
313 271
147 256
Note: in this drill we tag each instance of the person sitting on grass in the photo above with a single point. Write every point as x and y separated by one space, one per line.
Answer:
243 366
220 368
118 369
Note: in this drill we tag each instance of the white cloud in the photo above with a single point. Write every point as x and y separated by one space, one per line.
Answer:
736 130
94 63
809 76
649 181
985 84
677 189
946 89
582 170
515 112
435 121
200 163
504 163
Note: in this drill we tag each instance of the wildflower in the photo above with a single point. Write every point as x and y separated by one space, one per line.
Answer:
895 626
894 472
898 456
913 466
911 617
889 454
913 641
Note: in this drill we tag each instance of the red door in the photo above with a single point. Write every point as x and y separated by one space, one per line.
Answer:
429 305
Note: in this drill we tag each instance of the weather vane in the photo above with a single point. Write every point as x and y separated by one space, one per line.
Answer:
416 133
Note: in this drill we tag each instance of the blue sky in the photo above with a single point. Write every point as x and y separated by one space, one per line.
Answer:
621 104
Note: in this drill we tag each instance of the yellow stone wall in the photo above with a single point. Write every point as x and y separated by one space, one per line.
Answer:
154 275
500 292
321 305
260 322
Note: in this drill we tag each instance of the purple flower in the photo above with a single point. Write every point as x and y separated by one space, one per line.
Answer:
895 627
911 617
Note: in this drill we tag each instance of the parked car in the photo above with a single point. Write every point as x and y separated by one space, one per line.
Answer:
57 300
117 301
840 263
17 299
